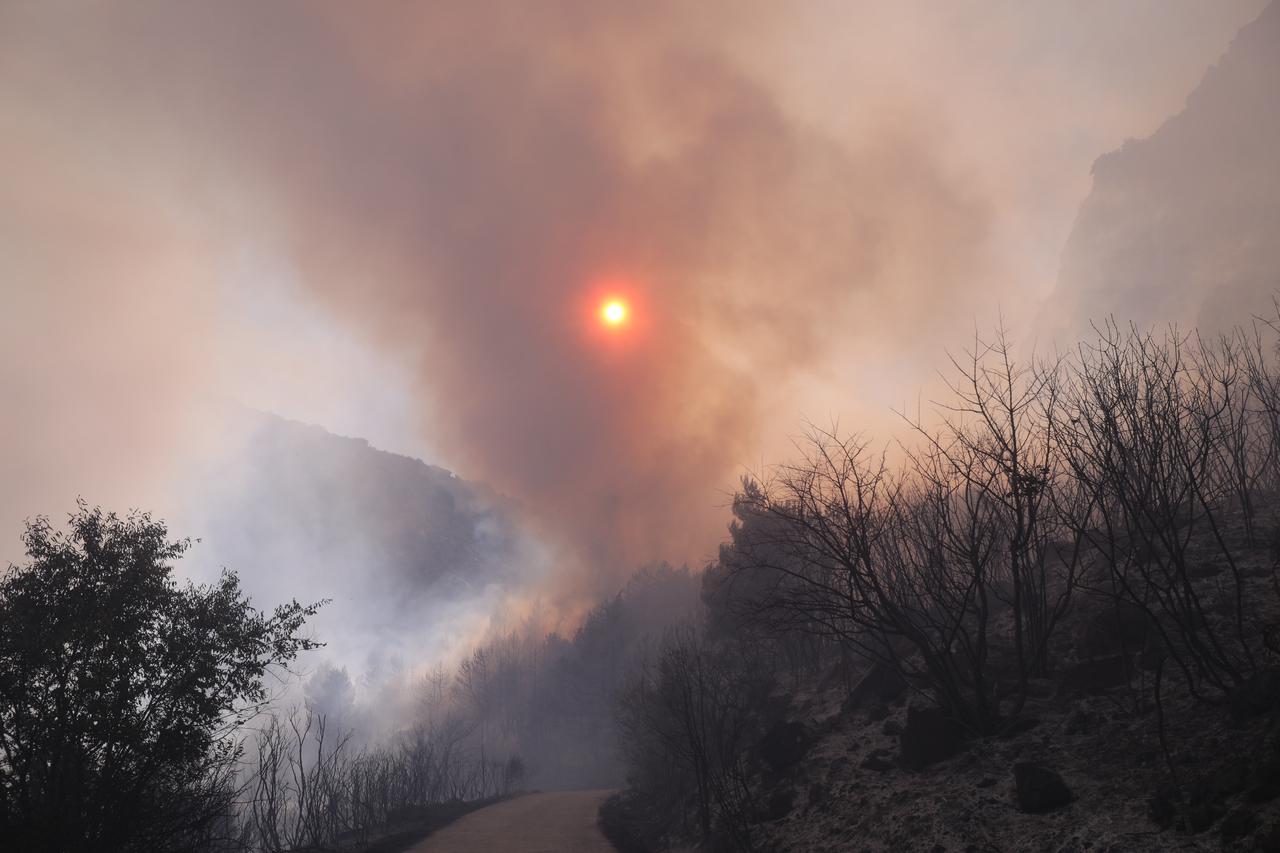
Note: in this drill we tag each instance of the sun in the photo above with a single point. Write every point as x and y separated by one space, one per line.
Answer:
614 312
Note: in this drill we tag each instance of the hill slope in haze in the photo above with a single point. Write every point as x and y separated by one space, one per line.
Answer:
413 557
1184 226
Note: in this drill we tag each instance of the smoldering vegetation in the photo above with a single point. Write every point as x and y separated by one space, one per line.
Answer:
415 559
521 711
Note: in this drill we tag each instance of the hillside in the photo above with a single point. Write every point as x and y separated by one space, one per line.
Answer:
1184 225
410 554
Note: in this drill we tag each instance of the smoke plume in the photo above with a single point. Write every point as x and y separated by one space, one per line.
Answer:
800 206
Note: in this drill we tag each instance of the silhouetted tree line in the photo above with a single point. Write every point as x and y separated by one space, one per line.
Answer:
1131 483
122 691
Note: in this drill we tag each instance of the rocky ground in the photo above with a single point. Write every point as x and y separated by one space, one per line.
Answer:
859 773
874 768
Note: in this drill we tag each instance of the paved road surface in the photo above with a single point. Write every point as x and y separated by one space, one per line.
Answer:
557 822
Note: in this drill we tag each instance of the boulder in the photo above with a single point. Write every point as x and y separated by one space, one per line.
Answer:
1018 726
1268 840
1227 781
784 745
1096 676
778 805
1237 824
882 684
1116 628
1080 721
1202 815
1194 813
1039 789
878 760
929 736
1257 695
1263 792
1162 808
1153 653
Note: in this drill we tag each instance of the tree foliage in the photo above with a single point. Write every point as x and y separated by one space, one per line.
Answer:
121 689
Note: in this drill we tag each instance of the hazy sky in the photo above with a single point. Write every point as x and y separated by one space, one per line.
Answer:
397 219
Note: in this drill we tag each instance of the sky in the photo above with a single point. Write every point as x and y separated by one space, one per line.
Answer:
398 221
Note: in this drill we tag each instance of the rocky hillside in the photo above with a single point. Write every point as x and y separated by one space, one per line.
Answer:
1185 225
875 771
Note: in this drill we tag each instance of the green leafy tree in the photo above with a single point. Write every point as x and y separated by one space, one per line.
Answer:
121 690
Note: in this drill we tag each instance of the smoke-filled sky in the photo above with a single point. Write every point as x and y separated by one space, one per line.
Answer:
397 220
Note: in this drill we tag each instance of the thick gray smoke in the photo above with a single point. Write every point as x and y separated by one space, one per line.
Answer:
398 220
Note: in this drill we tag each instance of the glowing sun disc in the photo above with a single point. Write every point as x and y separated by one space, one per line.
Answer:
614 312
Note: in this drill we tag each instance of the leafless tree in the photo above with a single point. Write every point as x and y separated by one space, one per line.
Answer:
1161 437
954 570
689 718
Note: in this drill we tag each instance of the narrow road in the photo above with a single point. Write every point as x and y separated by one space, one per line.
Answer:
556 822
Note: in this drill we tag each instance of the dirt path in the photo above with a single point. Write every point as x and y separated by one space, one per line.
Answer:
558 822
